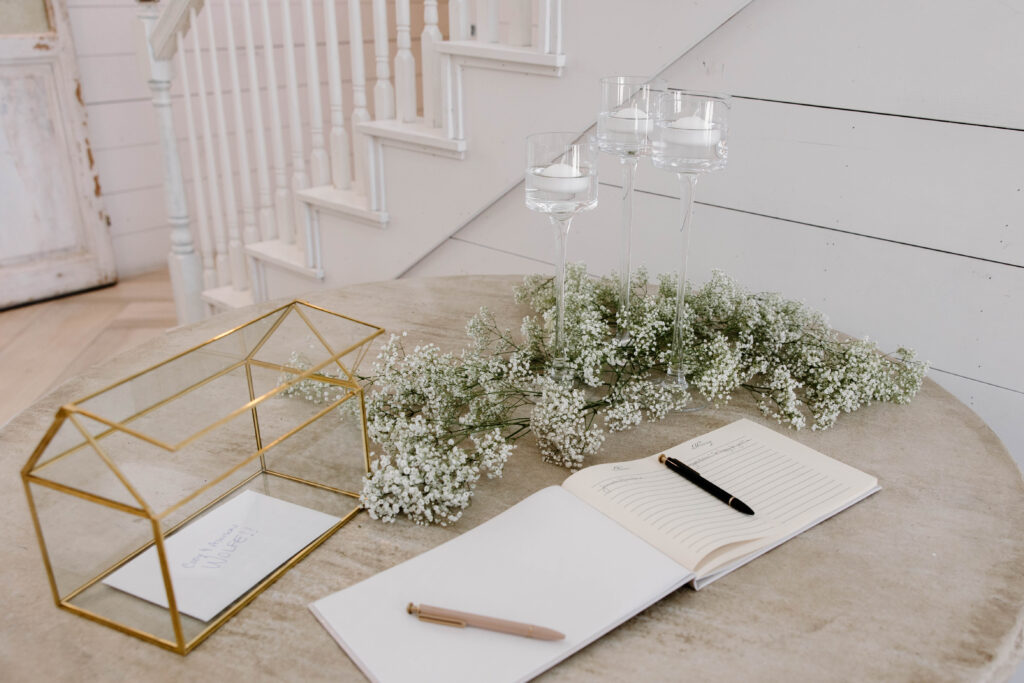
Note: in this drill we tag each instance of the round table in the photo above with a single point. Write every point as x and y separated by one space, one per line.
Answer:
922 581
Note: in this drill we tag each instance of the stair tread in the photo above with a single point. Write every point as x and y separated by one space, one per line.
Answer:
228 297
414 131
349 202
285 254
501 53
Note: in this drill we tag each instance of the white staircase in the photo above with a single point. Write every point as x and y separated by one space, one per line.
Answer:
315 193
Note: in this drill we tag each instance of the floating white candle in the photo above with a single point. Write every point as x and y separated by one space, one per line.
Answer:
560 178
632 120
692 131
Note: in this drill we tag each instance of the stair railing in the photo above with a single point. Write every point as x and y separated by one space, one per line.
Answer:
253 143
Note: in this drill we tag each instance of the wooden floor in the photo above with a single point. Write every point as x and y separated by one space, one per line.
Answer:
43 344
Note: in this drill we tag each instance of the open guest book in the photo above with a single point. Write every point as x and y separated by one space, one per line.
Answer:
583 557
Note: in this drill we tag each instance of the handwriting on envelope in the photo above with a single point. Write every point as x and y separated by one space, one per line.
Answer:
220 550
216 558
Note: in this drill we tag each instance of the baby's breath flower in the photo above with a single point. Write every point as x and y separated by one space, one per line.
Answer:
441 420
560 422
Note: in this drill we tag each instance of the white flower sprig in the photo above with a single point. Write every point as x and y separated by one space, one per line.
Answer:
442 420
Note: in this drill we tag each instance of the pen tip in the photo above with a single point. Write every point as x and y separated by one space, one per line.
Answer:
411 608
661 458
743 507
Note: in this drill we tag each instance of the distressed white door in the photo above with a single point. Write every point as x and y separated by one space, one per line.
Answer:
53 231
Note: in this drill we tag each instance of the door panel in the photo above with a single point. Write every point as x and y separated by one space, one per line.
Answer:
24 16
53 233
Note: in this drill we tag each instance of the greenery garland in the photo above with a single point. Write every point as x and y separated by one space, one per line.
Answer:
442 420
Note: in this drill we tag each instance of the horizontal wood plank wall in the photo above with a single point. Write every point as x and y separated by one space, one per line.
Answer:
123 133
875 173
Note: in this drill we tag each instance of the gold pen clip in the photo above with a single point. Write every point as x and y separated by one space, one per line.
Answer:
444 621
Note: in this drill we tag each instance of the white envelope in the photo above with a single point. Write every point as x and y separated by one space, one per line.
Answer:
218 557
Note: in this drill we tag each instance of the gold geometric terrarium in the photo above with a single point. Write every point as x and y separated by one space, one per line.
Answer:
271 407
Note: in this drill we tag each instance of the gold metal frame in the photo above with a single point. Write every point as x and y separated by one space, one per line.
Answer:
34 471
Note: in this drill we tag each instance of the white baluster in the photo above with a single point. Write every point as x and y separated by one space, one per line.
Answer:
320 165
458 19
283 211
250 234
300 181
550 27
556 28
452 97
520 24
341 174
383 91
220 240
544 26
236 255
405 66
359 110
183 261
431 65
487 21
203 225
268 230
375 173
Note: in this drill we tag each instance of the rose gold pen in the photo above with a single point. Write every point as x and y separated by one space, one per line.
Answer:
449 617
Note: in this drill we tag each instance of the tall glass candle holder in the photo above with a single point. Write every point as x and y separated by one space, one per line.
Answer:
624 128
689 138
561 181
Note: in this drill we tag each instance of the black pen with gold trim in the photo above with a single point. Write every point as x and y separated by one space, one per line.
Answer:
691 475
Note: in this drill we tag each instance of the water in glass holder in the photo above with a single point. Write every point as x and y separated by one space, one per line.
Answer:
690 132
561 174
626 118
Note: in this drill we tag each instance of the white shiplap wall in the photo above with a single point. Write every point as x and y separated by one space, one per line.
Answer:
876 171
122 125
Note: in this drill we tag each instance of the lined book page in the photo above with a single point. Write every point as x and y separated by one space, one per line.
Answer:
789 486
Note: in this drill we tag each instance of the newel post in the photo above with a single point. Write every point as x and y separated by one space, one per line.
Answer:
185 266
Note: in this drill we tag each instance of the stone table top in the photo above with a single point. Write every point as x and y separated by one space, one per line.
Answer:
922 581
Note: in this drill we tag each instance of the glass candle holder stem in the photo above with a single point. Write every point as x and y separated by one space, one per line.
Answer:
629 164
677 367
561 223
561 181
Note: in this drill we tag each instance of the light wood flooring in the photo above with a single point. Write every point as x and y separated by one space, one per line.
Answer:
44 344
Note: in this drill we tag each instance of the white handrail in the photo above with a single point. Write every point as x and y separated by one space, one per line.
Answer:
176 16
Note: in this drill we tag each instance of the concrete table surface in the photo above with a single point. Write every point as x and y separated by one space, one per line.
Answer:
923 581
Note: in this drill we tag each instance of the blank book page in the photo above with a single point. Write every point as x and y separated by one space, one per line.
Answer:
550 560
